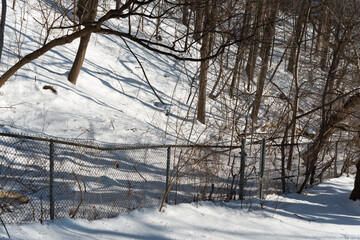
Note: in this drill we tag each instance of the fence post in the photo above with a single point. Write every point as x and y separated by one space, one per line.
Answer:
51 173
335 161
262 166
242 170
167 173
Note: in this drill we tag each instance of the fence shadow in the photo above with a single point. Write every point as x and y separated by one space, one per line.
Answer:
96 180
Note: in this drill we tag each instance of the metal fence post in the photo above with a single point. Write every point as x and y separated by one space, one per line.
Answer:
51 173
242 170
167 173
262 166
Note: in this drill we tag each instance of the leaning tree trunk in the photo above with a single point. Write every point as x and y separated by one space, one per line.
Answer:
86 12
355 194
2 26
79 59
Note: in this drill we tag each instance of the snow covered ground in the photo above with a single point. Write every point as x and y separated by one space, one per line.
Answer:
112 103
324 212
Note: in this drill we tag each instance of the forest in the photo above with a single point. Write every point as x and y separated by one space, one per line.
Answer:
284 70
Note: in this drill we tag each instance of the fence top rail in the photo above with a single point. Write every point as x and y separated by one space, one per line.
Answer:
112 146
92 144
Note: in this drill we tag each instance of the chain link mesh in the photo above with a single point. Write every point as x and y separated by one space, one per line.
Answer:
96 181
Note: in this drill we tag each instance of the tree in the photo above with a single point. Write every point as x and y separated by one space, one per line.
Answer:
299 34
2 26
199 14
355 194
327 129
130 8
254 46
86 12
204 65
269 34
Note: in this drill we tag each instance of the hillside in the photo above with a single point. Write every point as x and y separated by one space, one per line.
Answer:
191 72
111 102
125 81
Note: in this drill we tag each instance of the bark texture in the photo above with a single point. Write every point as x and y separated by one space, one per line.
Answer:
355 194
86 13
2 25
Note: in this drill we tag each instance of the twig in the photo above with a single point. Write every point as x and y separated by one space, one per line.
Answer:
139 173
12 106
143 70
81 196
2 222
305 218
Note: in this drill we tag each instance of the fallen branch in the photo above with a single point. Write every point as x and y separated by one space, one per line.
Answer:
20 198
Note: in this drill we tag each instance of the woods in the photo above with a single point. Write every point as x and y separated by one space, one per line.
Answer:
275 68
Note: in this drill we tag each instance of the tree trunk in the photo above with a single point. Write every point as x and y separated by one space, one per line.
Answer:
325 39
355 194
240 49
254 47
158 22
74 16
204 65
267 41
219 77
185 14
236 70
118 4
198 20
2 26
87 13
79 59
300 32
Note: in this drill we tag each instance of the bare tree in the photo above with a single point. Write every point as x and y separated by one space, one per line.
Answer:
86 11
205 52
269 34
254 44
355 194
299 33
2 25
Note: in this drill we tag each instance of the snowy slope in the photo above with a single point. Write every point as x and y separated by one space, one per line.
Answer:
325 212
111 102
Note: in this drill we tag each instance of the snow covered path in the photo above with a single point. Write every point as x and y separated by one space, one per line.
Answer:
323 213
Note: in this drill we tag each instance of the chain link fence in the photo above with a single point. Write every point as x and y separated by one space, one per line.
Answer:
43 179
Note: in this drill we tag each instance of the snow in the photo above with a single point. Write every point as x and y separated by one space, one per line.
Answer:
113 103
324 212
